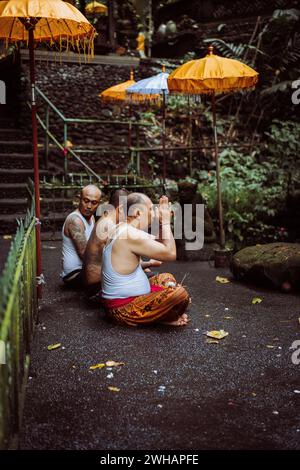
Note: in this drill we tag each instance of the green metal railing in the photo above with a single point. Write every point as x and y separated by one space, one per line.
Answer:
18 314
130 181
50 136
134 150
66 122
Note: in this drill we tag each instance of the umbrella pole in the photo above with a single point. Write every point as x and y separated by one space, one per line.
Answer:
130 128
219 195
190 137
36 164
164 138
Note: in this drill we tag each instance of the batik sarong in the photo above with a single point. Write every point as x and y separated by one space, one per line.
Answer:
166 302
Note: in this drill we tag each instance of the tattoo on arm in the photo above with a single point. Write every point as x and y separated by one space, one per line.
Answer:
76 232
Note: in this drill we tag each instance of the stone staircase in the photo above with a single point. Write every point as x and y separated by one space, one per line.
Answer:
16 167
58 194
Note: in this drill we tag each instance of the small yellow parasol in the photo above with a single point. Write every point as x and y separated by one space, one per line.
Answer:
154 89
117 94
212 75
35 21
96 8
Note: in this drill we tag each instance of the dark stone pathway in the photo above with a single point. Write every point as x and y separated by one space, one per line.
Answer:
239 393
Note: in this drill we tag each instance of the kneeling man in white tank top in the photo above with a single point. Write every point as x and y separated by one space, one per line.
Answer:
76 232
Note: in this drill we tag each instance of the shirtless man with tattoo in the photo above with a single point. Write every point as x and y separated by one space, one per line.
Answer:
76 232
92 261
93 254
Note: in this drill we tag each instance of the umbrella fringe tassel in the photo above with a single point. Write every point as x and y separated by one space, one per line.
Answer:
82 45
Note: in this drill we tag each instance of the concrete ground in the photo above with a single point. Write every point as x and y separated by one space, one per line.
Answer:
176 390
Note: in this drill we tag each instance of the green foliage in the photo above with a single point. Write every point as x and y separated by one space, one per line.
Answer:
179 103
10 50
274 53
231 50
283 141
280 40
9 271
153 166
148 116
189 56
254 187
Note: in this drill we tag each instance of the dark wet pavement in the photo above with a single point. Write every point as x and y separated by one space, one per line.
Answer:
176 390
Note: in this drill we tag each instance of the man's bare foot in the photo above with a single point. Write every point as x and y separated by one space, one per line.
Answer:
181 321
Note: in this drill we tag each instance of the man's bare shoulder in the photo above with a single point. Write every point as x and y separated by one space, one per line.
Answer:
104 228
75 219
74 223
137 234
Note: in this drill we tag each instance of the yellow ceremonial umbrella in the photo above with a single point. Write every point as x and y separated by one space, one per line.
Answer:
96 8
117 94
154 89
211 75
36 21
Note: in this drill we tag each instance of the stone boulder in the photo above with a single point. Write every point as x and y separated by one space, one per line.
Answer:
272 264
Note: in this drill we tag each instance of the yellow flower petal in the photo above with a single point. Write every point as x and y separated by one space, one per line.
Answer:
222 280
113 389
53 346
217 334
114 364
97 366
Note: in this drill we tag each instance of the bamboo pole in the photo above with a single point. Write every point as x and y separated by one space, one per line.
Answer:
219 193
31 28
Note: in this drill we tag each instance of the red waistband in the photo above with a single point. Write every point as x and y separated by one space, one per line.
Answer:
116 303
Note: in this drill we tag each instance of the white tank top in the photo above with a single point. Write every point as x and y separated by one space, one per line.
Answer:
70 258
121 286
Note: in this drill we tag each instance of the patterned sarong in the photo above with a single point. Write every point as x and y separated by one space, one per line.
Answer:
163 303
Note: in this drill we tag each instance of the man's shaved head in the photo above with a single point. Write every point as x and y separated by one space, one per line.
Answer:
92 191
90 197
140 207
137 199
116 196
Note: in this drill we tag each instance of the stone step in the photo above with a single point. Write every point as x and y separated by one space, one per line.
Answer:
13 202
9 175
52 222
6 122
11 206
8 222
16 160
9 133
56 205
10 190
12 146
19 190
